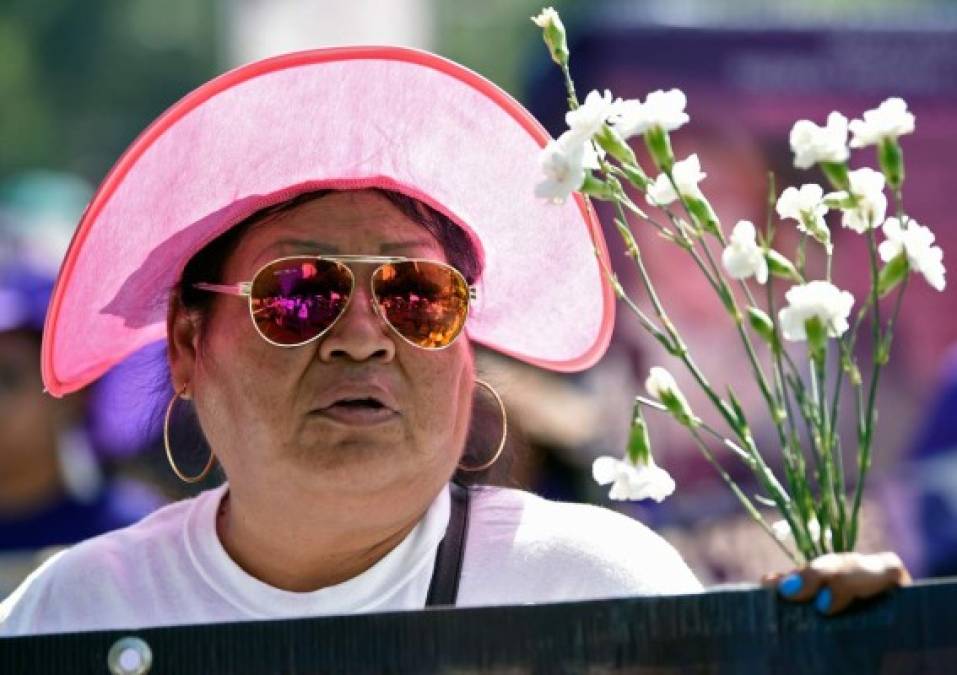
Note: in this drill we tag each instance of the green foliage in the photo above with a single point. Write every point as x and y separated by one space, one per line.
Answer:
892 274
495 37
79 80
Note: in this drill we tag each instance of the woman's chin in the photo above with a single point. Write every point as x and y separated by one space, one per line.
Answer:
335 443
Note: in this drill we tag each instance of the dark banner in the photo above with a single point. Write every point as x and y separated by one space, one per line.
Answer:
732 631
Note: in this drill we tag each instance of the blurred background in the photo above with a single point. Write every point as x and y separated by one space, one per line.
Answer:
79 79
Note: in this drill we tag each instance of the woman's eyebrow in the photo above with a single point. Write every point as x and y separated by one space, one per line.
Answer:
306 245
311 246
391 246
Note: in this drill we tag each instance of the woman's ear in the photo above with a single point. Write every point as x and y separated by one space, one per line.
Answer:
182 330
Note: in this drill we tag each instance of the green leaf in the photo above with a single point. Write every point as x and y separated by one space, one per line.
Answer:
738 412
892 274
727 299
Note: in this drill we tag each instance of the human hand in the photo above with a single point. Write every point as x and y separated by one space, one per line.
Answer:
836 580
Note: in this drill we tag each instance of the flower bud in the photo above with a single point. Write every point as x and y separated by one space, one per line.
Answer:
780 266
635 175
612 142
553 32
892 274
816 338
659 145
836 173
639 442
891 160
663 387
853 372
703 214
597 188
763 326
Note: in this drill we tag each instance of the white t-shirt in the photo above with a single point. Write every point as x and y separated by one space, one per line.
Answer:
170 568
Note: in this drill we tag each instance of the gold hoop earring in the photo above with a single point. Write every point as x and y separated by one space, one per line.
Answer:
501 443
169 450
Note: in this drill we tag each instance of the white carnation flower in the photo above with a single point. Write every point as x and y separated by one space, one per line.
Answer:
807 207
743 258
687 174
889 120
820 299
916 242
867 186
592 155
564 162
662 109
588 118
632 481
547 17
812 144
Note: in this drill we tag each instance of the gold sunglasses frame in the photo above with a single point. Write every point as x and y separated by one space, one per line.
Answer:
244 289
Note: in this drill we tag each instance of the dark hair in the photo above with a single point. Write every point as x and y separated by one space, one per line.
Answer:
207 264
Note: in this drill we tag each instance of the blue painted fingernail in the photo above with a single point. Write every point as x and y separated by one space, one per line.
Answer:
823 600
790 585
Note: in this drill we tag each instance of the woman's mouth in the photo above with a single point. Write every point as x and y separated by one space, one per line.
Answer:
357 412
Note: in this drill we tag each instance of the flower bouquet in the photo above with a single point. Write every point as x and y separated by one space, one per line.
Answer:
810 356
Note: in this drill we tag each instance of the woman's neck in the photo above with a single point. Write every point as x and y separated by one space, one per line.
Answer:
297 548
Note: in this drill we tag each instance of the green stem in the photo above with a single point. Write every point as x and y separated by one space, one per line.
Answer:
866 419
827 484
840 481
760 468
743 498
569 87
739 452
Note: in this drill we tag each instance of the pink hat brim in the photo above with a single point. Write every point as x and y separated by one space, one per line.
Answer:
343 118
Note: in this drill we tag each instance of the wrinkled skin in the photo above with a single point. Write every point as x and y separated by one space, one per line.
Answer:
324 498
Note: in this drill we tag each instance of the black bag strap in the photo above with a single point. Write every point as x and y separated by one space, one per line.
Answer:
448 558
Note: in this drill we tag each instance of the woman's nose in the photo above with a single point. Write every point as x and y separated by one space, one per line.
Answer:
359 334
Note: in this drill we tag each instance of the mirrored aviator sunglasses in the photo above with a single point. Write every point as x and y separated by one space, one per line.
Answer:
298 299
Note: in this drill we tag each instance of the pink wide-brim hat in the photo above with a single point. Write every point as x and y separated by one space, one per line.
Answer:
342 118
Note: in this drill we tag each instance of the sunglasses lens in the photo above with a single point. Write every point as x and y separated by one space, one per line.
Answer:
296 299
425 302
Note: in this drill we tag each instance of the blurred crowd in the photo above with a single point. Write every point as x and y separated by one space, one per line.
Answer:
74 467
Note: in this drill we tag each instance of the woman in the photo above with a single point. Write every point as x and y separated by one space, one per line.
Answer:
336 228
